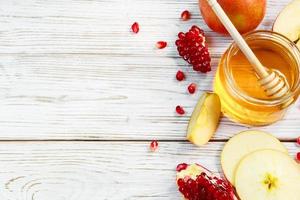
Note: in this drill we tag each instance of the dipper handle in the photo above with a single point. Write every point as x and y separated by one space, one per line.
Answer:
239 40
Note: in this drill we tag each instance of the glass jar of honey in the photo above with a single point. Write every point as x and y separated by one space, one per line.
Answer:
243 99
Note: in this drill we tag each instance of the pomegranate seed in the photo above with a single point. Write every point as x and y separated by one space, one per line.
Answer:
185 15
135 27
153 145
298 157
192 48
180 76
181 166
180 110
298 140
192 88
161 44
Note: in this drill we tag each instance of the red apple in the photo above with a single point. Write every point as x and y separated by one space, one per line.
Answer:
246 15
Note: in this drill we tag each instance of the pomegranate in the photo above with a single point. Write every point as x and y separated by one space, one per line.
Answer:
135 27
180 76
153 145
185 15
180 110
197 183
192 88
161 44
191 47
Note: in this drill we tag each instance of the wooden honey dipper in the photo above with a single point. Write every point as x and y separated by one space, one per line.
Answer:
273 81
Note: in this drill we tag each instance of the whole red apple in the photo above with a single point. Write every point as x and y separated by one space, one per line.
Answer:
246 15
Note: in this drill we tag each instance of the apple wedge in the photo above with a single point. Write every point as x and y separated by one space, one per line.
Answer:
205 119
268 175
242 144
288 21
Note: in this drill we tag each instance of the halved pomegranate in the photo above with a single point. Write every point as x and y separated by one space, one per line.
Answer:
197 183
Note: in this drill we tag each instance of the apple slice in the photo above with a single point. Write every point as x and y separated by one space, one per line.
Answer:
288 23
268 175
242 144
205 119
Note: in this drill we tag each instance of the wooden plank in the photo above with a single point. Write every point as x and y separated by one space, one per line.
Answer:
91 97
102 170
72 70
102 27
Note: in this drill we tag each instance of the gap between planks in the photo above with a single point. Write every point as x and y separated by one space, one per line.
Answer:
119 140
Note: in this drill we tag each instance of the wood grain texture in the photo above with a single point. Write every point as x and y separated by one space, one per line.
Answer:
102 170
93 97
72 70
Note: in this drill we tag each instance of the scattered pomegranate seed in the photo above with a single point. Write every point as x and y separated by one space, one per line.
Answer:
192 88
298 157
180 76
161 44
153 145
181 166
180 110
135 27
192 48
298 140
198 183
185 15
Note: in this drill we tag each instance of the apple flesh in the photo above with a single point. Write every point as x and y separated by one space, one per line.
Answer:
268 175
242 144
246 15
205 119
288 22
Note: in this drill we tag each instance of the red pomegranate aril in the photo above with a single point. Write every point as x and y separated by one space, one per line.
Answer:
298 156
181 35
161 44
181 189
192 88
154 145
180 182
298 140
181 166
135 27
185 15
180 110
180 75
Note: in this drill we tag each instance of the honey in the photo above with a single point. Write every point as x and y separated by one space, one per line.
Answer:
236 83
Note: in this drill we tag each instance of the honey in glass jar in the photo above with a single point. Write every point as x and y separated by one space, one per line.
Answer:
242 97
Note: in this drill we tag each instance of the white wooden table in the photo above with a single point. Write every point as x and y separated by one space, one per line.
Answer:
82 97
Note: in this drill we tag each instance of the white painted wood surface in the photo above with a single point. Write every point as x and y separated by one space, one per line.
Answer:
71 70
98 170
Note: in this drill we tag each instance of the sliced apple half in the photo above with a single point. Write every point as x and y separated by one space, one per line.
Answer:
242 144
268 175
205 119
288 21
